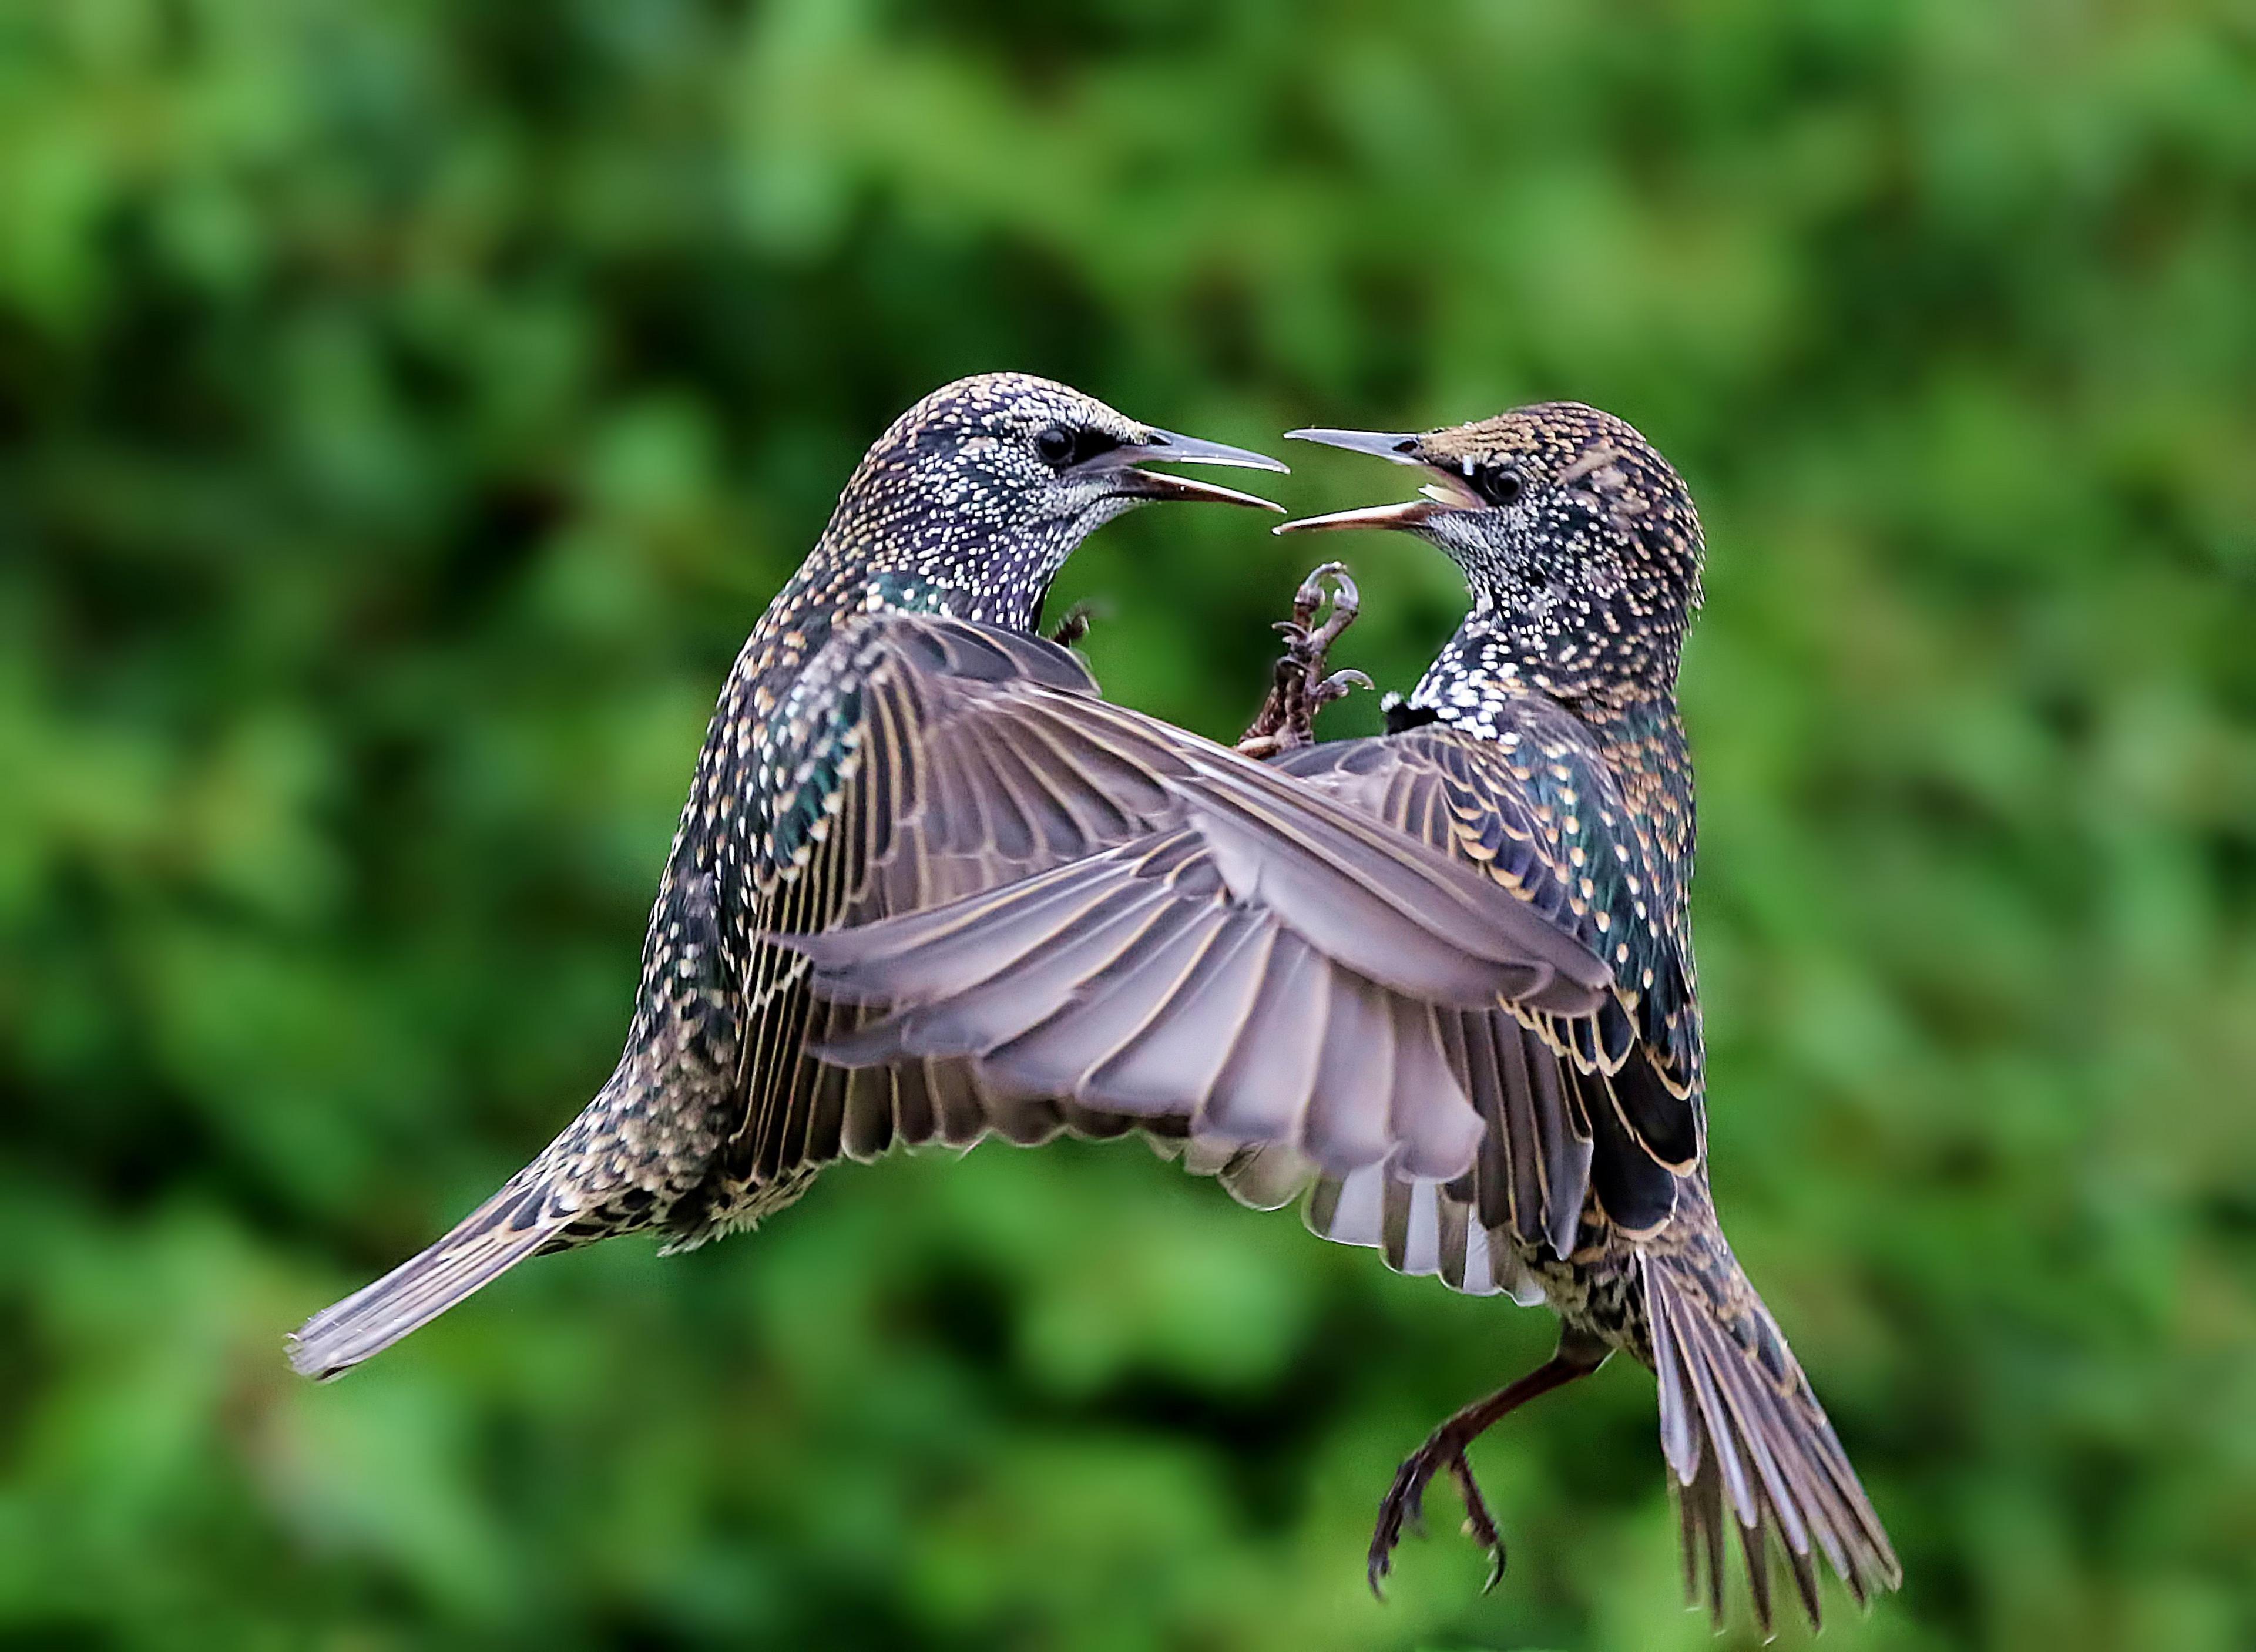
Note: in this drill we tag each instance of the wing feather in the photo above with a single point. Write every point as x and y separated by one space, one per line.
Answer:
1028 911
1178 1058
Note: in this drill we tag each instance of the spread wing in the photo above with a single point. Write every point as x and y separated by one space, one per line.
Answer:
1179 976
1611 1104
867 813
1340 968
1542 810
979 830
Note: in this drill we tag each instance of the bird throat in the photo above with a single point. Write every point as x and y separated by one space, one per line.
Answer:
872 557
1493 662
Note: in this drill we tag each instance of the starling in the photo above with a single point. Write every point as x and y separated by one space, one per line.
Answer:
1507 1141
964 510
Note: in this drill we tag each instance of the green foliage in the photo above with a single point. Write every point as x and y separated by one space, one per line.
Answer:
405 409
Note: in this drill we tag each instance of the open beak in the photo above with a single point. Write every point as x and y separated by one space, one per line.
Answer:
1165 447
1445 492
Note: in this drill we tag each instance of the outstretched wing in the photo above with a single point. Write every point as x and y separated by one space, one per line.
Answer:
1202 972
1105 924
1340 969
948 767
827 786
1545 812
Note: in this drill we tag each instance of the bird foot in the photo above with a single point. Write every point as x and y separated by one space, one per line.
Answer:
1404 1504
1301 687
1073 626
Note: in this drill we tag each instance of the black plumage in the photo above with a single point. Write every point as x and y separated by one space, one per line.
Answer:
808 802
1511 1135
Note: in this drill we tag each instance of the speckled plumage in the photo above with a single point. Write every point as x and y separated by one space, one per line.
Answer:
965 508
1444 975
1582 552
1528 1140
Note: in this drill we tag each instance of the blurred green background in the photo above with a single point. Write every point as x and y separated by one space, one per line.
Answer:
405 409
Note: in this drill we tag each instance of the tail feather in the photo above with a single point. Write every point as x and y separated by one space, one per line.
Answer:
490 1241
1742 1430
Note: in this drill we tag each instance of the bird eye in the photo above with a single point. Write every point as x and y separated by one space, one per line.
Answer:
1055 443
1498 483
1062 447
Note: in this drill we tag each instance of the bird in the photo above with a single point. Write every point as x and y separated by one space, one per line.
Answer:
964 510
1518 1141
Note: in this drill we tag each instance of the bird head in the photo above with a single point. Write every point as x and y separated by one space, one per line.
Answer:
1579 541
986 487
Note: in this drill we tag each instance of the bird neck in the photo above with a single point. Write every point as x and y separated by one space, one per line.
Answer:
1480 684
1496 659
879 552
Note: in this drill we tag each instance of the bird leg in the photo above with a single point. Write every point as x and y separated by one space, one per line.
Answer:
1073 626
1300 687
1579 1354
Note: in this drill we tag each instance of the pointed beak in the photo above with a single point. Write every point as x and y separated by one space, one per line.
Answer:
1396 447
1408 514
1174 450
1165 447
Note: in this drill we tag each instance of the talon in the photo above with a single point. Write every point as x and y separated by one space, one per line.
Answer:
1073 626
1347 603
1479 1525
1404 1505
1310 597
1338 685
1579 1354
1300 687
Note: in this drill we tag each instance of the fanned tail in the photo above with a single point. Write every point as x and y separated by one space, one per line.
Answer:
1742 1432
507 1228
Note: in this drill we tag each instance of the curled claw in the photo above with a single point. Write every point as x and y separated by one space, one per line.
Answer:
1338 685
1479 1526
1405 1506
1302 689
1346 600
1072 625
1580 1353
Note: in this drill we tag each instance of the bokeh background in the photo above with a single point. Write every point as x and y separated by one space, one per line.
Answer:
405 410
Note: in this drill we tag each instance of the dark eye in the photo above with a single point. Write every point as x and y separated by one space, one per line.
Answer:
1055 443
1498 483
1061 447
